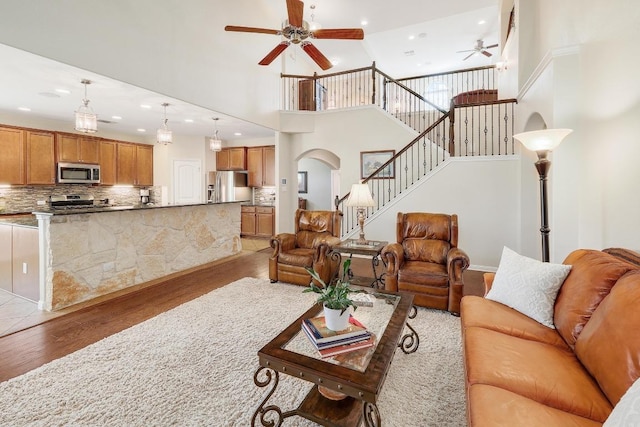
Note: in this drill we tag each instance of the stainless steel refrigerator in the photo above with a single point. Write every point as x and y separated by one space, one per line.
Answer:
227 186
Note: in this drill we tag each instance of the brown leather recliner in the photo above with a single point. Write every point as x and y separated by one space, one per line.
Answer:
426 260
316 232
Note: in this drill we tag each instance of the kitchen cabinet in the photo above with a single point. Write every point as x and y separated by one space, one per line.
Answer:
40 157
231 159
19 261
108 164
261 166
257 221
12 170
77 149
134 164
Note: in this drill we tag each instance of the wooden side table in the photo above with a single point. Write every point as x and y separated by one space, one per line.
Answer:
371 249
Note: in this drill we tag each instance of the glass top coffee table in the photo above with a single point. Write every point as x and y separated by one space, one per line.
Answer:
347 386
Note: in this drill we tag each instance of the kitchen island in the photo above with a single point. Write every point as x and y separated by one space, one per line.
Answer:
91 252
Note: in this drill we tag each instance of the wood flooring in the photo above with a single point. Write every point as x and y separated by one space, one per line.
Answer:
25 350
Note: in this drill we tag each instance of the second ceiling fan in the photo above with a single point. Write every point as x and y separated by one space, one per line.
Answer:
479 48
296 30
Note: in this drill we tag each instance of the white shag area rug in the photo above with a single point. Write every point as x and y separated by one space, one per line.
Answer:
194 366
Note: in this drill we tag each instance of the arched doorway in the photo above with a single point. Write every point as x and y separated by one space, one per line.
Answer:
322 178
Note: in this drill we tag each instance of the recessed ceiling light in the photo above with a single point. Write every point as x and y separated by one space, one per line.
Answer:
411 37
364 22
335 61
141 130
24 108
238 134
116 117
63 91
482 22
188 120
145 106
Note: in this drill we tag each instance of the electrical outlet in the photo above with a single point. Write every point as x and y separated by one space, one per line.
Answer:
41 202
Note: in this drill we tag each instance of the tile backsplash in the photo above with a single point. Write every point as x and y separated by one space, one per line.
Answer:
264 195
25 199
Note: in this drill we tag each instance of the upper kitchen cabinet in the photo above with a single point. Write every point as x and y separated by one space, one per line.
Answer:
231 159
261 166
134 164
108 163
40 156
77 149
12 160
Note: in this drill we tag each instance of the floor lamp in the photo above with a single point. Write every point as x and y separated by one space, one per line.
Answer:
360 198
542 142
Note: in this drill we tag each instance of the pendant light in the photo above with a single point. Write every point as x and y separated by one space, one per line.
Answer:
215 143
164 135
86 119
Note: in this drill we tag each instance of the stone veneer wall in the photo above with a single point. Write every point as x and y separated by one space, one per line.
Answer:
94 254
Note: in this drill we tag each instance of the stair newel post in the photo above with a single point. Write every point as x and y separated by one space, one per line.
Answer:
373 83
452 123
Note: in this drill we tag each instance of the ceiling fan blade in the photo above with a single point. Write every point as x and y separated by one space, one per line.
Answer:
339 33
469 56
468 50
316 55
492 46
252 30
274 53
295 9
485 53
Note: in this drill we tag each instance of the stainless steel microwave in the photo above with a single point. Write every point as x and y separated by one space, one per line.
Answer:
78 173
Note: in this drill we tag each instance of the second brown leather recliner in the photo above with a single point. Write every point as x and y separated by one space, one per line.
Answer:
426 260
309 247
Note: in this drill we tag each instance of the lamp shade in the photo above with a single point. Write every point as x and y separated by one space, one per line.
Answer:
542 140
360 196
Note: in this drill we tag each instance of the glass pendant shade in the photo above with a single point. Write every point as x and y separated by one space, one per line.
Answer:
164 135
215 143
86 119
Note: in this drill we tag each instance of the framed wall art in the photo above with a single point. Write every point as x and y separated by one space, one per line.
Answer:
302 181
370 161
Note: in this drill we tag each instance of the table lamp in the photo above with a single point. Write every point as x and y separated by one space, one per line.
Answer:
360 198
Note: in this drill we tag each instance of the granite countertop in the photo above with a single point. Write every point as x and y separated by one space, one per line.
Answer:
106 208
19 220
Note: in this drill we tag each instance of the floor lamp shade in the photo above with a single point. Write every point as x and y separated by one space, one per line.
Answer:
543 141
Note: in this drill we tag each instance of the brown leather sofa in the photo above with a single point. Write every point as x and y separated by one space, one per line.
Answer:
309 247
426 260
521 373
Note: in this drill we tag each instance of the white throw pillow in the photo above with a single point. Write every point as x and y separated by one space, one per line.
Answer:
528 285
627 411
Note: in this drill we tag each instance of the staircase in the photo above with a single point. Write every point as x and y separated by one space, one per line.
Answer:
454 114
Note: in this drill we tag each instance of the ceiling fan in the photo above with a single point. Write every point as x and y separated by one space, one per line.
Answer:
479 48
296 30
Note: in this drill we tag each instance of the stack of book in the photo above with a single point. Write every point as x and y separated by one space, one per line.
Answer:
329 343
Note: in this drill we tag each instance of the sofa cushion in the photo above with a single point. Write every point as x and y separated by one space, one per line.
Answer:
627 411
426 250
528 285
609 345
545 373
424 272
592 275
484 313
497 407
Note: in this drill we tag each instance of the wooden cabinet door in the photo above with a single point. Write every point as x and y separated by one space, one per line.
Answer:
68 148
108 164
25 262
144 164
248 221
222 160
12 159
126 164
269 166
6 258
237 158
89 150
40 155
254 166
264 221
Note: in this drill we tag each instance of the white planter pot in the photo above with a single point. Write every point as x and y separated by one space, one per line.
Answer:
335 320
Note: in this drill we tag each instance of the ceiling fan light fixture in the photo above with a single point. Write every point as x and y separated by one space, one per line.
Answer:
86 119
164 135
215 143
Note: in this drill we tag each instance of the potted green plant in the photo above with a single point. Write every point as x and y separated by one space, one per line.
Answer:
334 297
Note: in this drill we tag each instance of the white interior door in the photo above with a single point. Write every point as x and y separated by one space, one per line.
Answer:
187 182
